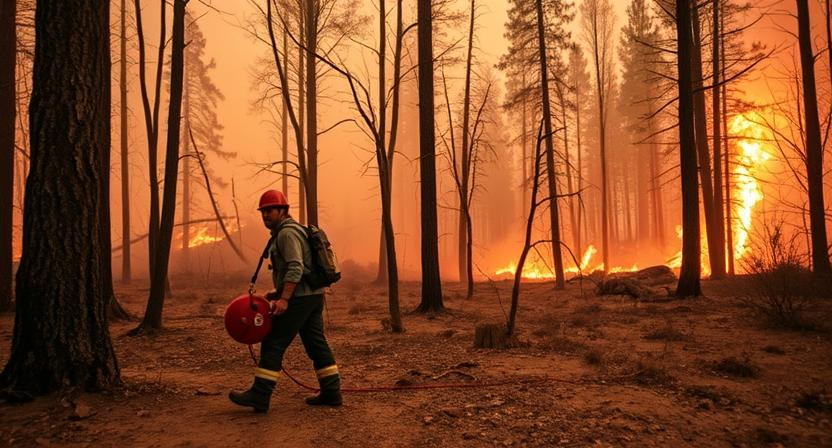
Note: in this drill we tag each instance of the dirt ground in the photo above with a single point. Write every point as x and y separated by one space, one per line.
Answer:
599 371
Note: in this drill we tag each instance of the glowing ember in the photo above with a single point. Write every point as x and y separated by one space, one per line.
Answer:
202 237
751 156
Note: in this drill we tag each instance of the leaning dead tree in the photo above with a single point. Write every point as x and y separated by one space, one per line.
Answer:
527 241
200 157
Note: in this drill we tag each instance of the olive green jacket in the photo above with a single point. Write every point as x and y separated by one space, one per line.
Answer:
291 258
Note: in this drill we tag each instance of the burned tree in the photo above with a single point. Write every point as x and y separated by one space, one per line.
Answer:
8 55
814 148
689 283
431 283
70 126
155 302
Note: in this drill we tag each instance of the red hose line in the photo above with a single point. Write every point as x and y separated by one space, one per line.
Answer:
421 386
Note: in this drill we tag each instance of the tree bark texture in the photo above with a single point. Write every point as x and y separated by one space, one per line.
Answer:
716 252
311 113
186 171
64 274
126 274
689 282
153 314
8 52
814 147
431 283
717 266
554 218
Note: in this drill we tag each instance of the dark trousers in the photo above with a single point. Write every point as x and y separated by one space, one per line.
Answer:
304 316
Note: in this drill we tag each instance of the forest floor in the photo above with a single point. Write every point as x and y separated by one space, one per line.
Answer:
599 371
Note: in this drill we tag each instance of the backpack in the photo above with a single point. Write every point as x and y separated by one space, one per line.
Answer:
324 269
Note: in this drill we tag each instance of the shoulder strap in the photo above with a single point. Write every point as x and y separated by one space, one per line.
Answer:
260 264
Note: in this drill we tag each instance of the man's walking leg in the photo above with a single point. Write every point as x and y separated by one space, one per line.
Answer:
284 329
317 348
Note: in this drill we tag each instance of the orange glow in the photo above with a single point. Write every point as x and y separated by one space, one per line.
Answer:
535 270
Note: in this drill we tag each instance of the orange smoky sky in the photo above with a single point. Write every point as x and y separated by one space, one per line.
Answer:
348 192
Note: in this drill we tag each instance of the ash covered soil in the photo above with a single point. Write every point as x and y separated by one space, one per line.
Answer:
586 371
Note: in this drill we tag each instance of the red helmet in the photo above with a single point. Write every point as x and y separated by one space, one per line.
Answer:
247 319
272 198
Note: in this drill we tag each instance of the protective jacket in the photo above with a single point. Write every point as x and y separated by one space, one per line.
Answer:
291 258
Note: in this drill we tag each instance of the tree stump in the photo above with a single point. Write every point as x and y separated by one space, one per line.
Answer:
491 336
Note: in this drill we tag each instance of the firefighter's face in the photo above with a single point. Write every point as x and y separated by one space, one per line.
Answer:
272 216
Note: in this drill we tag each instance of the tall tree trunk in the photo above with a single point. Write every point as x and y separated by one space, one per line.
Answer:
303 181
716 252
602 138
524 183
381 276
645 171
385 184
689 283
284 121
554 218
579 169
70 126
151 119
311 113
153 314
186 173
464 198
126 275
729 229
814 148
719 215
8 54
431 282
573 218
655 189
527 243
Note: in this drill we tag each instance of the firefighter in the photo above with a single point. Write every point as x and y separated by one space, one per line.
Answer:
296 308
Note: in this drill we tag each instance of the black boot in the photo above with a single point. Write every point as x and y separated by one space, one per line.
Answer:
257 397
330 394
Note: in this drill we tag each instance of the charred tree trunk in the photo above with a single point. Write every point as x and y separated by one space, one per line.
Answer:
385 184
554 218
579 231
527 243
716 252
311 113
602 131
284 122
303 181
381 277
814 148
151 119
719 215
153 314
126 275
186 175
729 229
70 126
431 282
8 54
689 283
465 236
573 218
